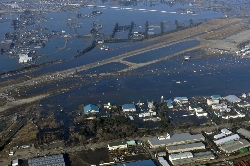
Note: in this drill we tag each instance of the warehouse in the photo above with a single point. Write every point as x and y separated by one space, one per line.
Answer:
234 146
226 139
197 157
226 131
218 136
163 161
176 139
233 99
244 132
185 147
47 161
179 156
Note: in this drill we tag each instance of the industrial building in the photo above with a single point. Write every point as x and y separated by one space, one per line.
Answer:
117 145
196 157
163 161
233 99
55 160
244 133
176 139
179 156
185 147
226 131
227 139
218 136
90 108
233 146
128 108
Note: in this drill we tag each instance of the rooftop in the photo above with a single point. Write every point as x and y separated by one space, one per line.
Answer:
185 146
176 139
90 108
200 156
235 145
117 143
47 161
233 98
244 132
138 163
128 106
215 96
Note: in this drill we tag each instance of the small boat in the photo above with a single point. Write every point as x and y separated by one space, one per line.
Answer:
178 82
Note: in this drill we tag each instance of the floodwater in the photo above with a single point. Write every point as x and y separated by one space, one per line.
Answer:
161 52
138 14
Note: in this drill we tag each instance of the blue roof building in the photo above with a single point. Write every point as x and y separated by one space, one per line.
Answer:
169 103
128 107
216 97
90 108
138 163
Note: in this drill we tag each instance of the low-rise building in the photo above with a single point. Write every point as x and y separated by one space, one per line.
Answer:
179 156
226 131
227 139
169 103
243 105
212 101
117 145
199 156
90 108
15 162
185 147
128 108
151 105
181 100
233 99
163 161
176 139
47 160
244 133
234 146
23 58
219 106
218 136
218 97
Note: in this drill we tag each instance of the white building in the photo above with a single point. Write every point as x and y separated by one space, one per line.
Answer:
179 156
23 58
181 100
233 99
128 108
200 112
212 101
117 145
243 105
151 105
218 136
226 131
219 106
15 162
227 139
